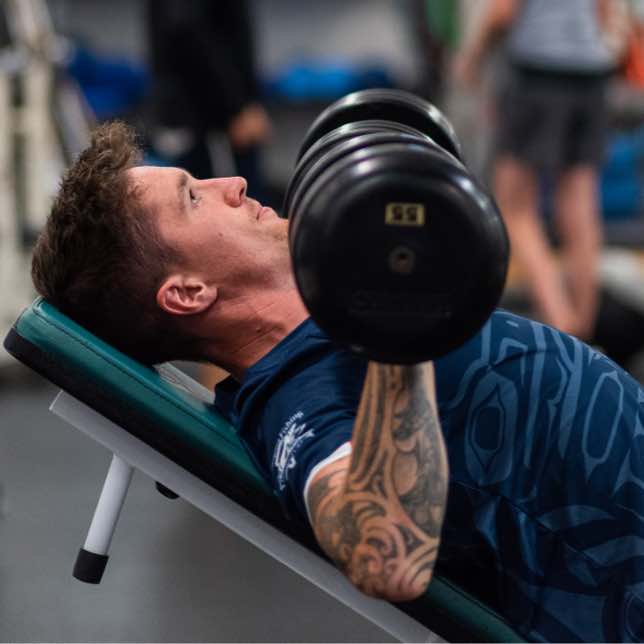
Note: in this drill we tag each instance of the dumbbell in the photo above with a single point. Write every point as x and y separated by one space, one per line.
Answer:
349 136
369 111
397 251
390 105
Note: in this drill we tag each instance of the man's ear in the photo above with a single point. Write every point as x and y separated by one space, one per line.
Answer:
185 295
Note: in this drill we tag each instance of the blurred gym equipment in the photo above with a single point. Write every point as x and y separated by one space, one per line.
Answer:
43 122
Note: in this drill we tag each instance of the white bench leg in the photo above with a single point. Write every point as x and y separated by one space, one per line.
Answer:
92 557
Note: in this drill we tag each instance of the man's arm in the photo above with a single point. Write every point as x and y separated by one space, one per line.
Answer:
617 24
378 513
496 18
206 39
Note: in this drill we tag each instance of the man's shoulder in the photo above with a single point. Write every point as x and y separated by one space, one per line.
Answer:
529 368
502 336
512 353
506 336
306 371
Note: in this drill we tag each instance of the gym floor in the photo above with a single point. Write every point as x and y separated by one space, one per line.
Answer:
174 574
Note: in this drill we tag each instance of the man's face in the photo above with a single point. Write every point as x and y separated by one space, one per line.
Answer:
222 235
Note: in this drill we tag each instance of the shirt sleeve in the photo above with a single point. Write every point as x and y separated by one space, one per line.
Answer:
307 423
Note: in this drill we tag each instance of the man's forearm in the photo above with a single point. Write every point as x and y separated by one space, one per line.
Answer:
494 21
380 520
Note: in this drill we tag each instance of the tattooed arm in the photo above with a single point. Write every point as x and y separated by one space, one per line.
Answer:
378 513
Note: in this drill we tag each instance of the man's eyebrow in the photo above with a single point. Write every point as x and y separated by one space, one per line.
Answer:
181 185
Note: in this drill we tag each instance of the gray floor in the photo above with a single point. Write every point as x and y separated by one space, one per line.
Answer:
174 574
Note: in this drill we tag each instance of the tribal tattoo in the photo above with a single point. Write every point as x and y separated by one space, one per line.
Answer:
380 520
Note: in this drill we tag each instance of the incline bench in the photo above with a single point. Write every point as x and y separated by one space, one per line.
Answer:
162 423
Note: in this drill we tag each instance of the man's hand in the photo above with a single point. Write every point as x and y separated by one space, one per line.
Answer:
378 514
495 19
250 127
466 70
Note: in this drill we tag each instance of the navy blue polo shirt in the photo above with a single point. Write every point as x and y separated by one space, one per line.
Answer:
545 439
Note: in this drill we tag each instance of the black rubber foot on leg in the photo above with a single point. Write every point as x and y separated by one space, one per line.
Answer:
90 567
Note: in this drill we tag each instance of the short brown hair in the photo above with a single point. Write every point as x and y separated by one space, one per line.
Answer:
100 258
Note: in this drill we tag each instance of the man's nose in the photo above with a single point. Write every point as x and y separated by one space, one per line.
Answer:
235 191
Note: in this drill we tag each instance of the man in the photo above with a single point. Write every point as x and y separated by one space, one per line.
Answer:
545 436
206 82
552 122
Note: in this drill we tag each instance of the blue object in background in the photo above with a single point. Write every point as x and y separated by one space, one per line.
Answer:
111 86
310 80
622 177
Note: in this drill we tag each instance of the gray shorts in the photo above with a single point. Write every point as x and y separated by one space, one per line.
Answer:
552 121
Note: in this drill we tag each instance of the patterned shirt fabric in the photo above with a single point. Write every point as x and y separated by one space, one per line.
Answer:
545 438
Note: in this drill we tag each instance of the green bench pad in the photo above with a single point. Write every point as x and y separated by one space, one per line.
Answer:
189 431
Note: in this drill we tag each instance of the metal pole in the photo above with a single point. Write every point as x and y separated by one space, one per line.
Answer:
93 556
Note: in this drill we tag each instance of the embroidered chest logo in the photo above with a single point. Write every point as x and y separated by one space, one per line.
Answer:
290 438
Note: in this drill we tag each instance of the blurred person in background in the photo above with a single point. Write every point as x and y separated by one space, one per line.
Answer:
552 120
634 63
202 58
433 25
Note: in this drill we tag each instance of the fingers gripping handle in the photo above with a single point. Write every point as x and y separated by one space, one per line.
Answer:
92 558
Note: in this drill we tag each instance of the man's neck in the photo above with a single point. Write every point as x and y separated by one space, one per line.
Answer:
250 326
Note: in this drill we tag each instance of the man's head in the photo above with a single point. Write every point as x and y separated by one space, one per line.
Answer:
228 241
138 254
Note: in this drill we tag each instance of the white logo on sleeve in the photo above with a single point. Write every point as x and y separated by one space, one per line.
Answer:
290 438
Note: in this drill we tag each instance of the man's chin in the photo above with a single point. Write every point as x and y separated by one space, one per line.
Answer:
282 238
279 230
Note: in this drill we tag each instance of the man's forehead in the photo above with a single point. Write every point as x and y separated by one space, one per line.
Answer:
147 175
154 183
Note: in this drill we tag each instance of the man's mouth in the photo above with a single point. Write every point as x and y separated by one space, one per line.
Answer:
262 210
